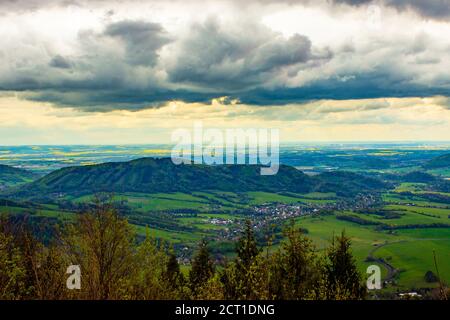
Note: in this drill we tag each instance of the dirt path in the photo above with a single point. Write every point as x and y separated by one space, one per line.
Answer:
391 270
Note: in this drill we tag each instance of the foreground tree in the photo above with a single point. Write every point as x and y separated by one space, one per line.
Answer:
239 277
202 269
12 270
28 269
295 268
101 242
247 249
148 267
173 277
115 266
341 277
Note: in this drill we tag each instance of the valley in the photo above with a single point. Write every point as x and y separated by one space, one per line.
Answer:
396 216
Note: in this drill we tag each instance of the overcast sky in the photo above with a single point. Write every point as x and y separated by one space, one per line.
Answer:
75 71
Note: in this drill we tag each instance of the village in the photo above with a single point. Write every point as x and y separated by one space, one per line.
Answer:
267 214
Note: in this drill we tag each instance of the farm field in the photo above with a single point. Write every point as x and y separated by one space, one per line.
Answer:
398 247
206 214
396 226
409 251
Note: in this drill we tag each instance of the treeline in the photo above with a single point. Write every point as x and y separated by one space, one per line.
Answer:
114 265
357 220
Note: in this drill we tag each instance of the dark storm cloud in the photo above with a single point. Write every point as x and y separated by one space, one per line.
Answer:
115 70
60 62
217 58
430 9
142 40
121 99
123 66
120 67
9 6
377 84
353 2
363 86
437 9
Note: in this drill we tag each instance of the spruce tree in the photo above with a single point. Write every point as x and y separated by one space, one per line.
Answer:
295 271
172 275
202 268
247 251
343 281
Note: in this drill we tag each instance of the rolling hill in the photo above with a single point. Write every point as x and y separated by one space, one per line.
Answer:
438 162
10 176
150 175
418 177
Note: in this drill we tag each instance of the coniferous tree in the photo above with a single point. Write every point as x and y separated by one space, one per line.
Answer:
114 266
342 279
229 281
172 275
26 255
172 272
294 272
202 269
247 251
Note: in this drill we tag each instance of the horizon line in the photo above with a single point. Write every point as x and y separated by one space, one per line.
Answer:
281 143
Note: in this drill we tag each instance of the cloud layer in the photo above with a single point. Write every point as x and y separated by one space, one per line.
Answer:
431 9
119 58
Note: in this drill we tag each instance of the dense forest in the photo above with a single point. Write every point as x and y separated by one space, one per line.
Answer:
152 175
114 265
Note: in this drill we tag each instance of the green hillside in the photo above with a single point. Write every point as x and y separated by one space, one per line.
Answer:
150 175
438 162
10 176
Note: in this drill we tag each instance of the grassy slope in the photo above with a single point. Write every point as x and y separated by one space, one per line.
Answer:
415 257
10 176
407 249
364 238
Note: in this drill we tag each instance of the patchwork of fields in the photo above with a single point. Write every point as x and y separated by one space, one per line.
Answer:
401 222
404 233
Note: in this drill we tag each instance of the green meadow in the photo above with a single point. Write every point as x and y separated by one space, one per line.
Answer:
409 251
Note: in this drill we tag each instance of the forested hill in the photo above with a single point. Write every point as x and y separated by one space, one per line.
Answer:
150 175
10 176
439 162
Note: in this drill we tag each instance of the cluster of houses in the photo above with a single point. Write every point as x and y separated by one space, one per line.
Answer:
219 221
268 213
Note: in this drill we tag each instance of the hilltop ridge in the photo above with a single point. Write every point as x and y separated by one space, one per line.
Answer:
153 175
